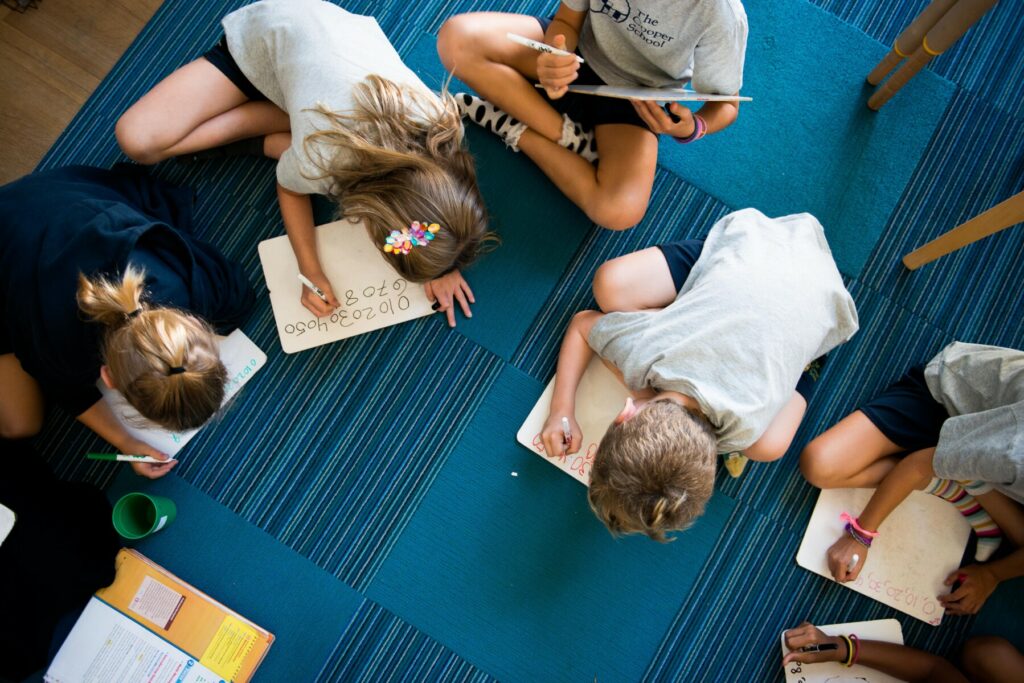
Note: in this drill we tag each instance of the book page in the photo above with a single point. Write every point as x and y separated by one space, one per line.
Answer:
372 294
918 546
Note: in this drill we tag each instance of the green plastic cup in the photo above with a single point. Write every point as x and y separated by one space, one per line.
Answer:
138 515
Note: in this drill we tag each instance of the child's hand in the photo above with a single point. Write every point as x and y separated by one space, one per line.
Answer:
807 635
556 72
446 290
312 301
840 558
660 121
554 436
147 469
976 583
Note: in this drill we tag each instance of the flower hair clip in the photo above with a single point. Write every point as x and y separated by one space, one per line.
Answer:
416 235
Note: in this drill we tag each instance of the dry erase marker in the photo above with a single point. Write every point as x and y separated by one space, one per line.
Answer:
853 563
819 647
541 47
121 457
566 431
316 290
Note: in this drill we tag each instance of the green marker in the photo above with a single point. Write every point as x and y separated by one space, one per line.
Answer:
121 457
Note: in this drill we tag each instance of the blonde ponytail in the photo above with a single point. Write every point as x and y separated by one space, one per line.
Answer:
165 362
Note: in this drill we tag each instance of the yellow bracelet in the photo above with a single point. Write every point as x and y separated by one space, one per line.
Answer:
849 651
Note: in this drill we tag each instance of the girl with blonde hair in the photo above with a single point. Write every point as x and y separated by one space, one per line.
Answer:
323 91
100 277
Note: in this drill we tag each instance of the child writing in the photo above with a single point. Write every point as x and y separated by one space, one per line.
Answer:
101 278
324 92
954 428
655 43
711 339
985 659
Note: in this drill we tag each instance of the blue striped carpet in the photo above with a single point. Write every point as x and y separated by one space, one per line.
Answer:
342 453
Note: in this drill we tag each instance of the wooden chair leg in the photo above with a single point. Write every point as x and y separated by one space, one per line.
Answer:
908 41
999 217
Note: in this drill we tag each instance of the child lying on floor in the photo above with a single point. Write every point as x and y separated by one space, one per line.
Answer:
954 428
712 339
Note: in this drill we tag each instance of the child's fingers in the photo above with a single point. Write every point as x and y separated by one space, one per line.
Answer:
468 291
463 303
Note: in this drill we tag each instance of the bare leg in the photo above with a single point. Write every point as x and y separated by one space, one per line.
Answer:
989 659
21 401
852 454
474 47
614 194
634 282
275 144
196 107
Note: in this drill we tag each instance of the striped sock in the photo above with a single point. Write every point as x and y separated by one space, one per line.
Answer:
960 495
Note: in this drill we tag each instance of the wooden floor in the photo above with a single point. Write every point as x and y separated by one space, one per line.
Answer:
53 57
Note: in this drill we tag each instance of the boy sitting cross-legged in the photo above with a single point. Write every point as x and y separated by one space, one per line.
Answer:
712 339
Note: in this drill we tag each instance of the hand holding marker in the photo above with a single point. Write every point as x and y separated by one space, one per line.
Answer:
541 47
316 290
566 434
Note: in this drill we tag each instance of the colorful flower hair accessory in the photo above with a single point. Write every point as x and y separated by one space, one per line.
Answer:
416 235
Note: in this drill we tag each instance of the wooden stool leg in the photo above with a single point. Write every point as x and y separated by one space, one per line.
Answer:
999 217
910 39
899 79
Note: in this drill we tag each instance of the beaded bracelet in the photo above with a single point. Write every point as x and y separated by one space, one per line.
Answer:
863 540
856 649
849 651
699 129
855 523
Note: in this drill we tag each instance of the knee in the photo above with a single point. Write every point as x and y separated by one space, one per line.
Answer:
138 141
20 426
611 284
817 463
616 213
455 40
982 652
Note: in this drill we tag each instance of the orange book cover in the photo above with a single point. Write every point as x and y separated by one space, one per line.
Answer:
219 638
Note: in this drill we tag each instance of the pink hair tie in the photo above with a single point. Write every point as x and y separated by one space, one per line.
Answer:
852 521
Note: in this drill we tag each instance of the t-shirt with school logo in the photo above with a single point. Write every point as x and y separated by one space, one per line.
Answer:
665 43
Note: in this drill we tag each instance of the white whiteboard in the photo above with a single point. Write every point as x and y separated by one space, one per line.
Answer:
885 630
599 399
372 293
240 356
624 92
918 546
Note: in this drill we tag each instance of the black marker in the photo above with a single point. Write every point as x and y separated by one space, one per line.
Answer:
675 118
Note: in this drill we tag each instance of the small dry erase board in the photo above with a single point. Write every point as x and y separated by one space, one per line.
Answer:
240 356
372 293
918 546
599 399
885 630
624 92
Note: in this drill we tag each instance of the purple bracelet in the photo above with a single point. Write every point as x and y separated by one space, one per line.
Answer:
699 129
857 536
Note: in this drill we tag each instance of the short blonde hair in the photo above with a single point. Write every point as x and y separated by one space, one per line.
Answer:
654 472
404 160
164 361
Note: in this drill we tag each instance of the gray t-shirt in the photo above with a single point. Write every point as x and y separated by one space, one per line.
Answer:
303 52
665 43
763 300
982 388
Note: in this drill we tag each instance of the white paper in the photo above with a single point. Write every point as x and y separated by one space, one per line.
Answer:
885 630
624 92
372 293
599 399
106 646
240 356
917 547
7 517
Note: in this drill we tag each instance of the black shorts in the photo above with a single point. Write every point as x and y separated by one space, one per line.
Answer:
681 256
590 110
221 58
906 413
